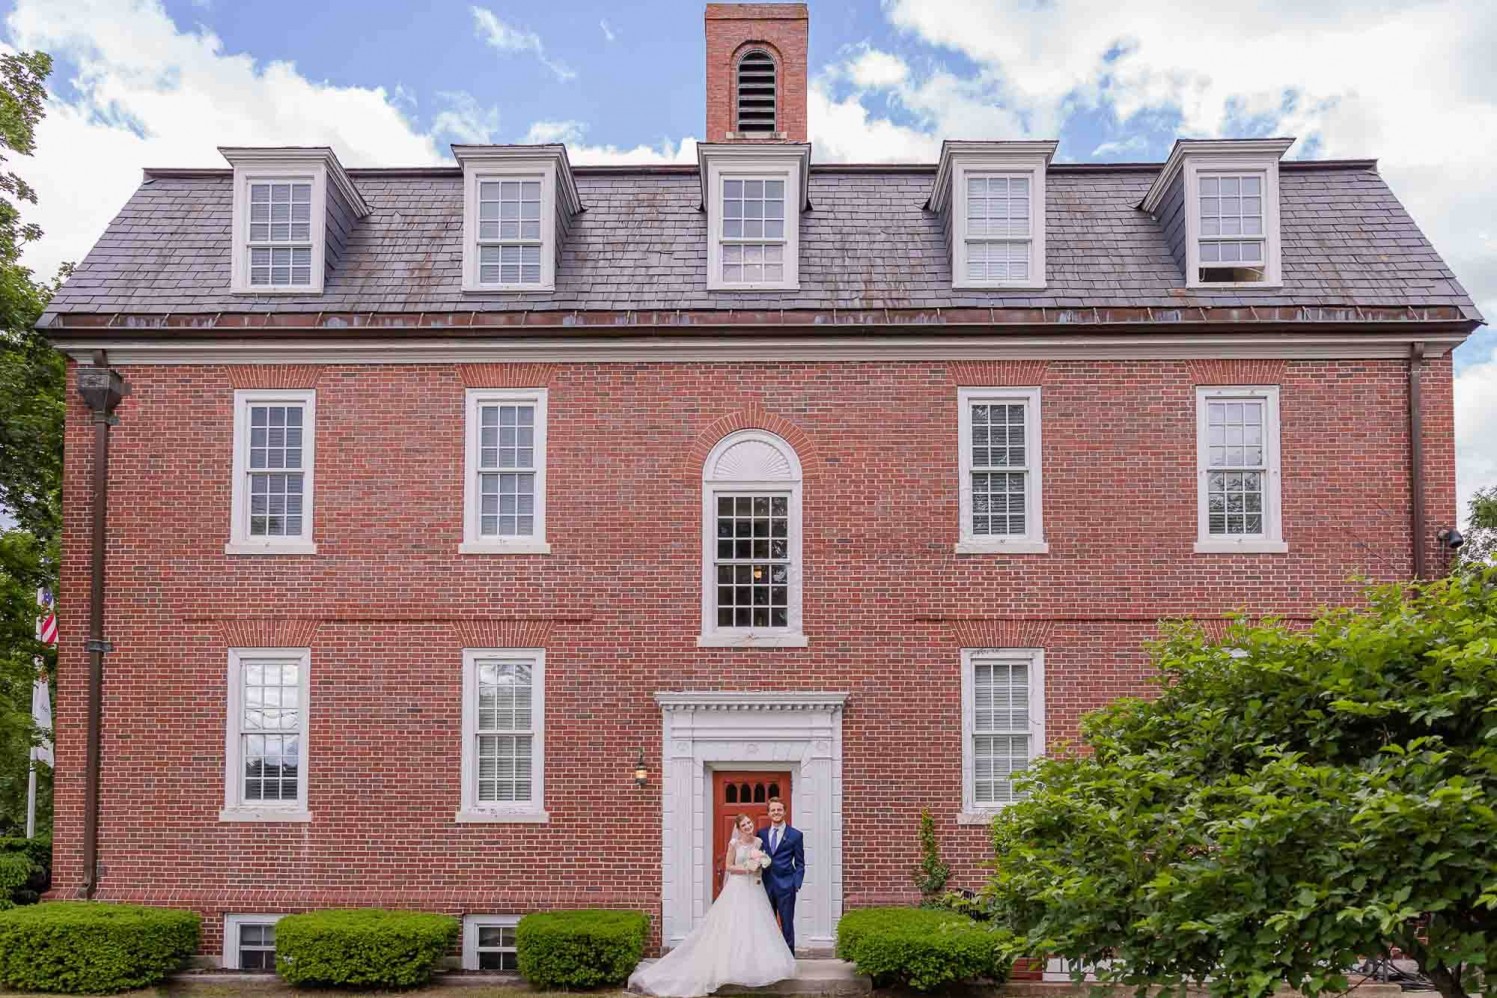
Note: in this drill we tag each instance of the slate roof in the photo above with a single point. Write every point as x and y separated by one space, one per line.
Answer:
868 242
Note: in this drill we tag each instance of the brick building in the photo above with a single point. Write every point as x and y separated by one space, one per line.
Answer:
481 538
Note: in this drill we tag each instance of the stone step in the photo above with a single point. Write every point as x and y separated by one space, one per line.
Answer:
812 977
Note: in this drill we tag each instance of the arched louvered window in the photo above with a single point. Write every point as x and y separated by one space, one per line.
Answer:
756 93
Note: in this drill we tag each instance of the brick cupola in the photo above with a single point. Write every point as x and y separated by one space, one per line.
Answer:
756 72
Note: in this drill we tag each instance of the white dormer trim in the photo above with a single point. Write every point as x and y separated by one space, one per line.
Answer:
1192 159
314 165
545 163
960 161
788 163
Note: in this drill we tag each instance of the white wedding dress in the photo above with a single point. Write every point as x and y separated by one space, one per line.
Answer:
738 942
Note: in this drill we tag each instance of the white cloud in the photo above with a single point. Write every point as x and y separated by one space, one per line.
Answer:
507 38
464 119
607 31
1133 145
1475 430
873 68
574 134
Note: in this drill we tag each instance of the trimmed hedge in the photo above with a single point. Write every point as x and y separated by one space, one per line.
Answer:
90 947
590 948
365 947
920 948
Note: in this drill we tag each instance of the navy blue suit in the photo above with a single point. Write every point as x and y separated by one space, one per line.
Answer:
784 875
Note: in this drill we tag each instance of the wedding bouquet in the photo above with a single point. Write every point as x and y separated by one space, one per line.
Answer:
758 860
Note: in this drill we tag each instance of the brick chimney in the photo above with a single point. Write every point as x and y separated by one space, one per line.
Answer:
756 72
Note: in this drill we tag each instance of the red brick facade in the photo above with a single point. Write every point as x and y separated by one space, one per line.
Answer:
387 604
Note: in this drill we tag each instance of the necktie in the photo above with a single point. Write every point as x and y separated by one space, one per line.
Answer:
774 840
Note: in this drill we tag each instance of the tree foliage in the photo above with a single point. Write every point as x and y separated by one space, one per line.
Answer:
1292 801
1481 533
933 873
32 377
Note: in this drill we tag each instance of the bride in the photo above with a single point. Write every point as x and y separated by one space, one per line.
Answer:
737 943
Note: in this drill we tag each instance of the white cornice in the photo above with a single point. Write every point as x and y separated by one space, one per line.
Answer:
1349 345
551 154
755 701
264 157
1036 153
770 152
1269 150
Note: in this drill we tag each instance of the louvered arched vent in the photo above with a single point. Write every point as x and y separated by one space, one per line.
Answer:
756 93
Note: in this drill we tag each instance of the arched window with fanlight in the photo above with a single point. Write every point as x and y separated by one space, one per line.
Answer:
757 92
751 538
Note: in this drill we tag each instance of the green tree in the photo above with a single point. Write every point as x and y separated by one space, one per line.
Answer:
1292 801
32 378
1481 536
933 873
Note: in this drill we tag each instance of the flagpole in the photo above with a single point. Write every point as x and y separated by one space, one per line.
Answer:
31 755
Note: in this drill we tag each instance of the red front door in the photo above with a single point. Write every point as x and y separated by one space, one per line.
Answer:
742 793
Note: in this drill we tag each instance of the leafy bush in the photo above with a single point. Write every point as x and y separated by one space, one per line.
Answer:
977 907
89 947
364 947
933 873
921 948
25 870
580 949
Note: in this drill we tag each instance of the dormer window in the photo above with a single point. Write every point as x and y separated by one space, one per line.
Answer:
518 204
292 210
753 197
756 93
1217 202
992 196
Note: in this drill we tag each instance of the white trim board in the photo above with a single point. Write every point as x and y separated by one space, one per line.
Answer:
1350 345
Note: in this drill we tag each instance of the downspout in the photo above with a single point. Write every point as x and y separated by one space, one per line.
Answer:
102 388
1416 456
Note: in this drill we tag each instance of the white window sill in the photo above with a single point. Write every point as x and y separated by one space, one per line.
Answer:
484 289
504 547
291 547
1256 546
1235 286
998 287
728 639
502 818
978 817
718 286
285 289
1002 547
268 814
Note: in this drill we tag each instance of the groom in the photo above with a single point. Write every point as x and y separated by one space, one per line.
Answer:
787 867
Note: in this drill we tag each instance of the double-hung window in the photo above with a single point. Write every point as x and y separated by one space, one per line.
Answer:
753 231
280 236
1003 724
249 942
505 492
1000 494
991 199
1237 452
510 241
266 745
1232 242
753 196
504 711
271 502
489 942
518 203
999 228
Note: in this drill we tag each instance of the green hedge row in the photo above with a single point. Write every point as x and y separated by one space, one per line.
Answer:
362 948
87 947
591 948
920 948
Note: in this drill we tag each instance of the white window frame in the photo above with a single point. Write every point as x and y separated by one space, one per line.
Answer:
1034 658
1027 168
236 808
471 925
532 811
231 936
1268 170
474 542
240 540
313 173
1032 541
543 171
783 169
714 485
1271 541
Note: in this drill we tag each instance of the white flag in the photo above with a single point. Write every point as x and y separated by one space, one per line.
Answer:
41 713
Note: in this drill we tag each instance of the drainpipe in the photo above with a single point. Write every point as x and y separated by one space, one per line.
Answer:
1416 456
102 387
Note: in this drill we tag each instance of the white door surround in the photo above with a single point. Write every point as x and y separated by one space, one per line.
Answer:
718 730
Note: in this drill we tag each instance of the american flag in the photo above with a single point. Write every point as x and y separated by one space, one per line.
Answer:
46 628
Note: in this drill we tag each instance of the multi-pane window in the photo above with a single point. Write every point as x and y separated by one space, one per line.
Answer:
504 717
280 233
1003 693
249 942
506 469
1232 238
510 240
1000 465
1238 453
753 560
753 231
489 942
272 492
267 731
998 228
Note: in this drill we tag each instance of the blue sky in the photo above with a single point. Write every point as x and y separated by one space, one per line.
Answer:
163 82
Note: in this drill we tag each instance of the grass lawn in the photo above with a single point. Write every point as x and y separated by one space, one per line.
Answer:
272 987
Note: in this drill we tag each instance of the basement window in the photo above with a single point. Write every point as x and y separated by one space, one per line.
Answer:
249 942
756 93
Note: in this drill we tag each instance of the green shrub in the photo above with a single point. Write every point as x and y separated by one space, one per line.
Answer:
580 949
89 947
920 948
25 870
364 947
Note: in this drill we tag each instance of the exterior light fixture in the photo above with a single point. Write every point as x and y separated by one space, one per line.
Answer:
641 771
